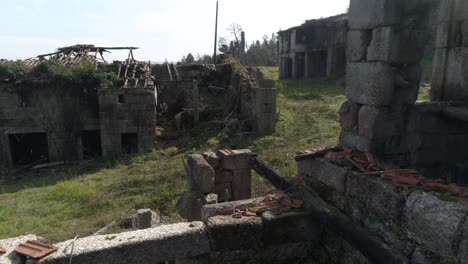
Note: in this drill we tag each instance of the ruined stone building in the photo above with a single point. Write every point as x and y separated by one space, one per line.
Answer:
46 120
315 49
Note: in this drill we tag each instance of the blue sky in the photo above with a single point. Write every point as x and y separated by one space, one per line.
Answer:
162 29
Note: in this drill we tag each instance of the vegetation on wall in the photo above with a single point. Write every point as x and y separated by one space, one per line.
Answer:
51 72
60 97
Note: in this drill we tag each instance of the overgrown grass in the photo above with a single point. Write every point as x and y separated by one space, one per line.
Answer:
78 200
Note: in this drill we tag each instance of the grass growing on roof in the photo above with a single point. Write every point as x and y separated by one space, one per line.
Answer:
59 203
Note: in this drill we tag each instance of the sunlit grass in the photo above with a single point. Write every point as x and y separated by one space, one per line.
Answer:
79 200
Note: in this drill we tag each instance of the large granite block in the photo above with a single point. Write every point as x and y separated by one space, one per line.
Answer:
370 83
434 223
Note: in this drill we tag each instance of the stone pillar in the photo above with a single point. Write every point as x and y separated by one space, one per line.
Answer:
450 72
282 68
306 65
236 164
378 90
265 108
331 61
294 67
5 151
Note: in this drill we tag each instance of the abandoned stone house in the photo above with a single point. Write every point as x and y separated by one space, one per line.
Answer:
56 123
49 123
315 49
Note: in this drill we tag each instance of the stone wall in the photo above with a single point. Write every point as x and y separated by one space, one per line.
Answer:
221 239
423 226
127 111
227 92
450 81
386 43
61 115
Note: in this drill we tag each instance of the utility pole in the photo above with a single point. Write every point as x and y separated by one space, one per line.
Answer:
216 35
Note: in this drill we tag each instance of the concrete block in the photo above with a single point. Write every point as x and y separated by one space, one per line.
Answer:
144 217
349 116
369 83
228 233
369 14
374 198
201 173
325 172
153 245
242 184
236 159
211 210
384 45
434 223
358 41
189 206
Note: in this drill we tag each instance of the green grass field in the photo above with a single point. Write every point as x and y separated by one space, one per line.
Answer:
63 202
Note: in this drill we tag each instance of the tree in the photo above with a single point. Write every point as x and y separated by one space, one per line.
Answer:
190 59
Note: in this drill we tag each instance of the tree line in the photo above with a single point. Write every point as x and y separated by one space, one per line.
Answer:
262 52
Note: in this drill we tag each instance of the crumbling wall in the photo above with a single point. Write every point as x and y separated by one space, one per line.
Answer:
422 225
127 111
58 112
385 46
227 93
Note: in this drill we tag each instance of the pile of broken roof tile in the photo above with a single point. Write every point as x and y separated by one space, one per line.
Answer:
367 164
275 202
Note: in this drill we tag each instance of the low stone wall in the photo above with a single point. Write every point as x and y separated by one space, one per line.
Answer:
287 238
428 136
425 226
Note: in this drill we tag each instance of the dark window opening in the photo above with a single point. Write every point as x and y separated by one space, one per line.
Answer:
121 99
340 61
289 68
130 143
300 64
91 142
28 148
318 64
23 100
